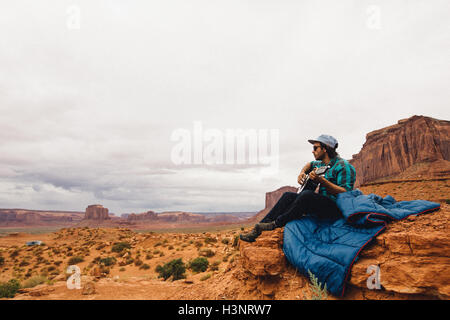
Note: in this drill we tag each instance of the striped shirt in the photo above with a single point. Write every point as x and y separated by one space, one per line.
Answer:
341 173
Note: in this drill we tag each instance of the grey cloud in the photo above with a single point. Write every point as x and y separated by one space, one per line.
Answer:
87 115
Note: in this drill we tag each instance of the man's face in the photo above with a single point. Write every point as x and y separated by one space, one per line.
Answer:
318 151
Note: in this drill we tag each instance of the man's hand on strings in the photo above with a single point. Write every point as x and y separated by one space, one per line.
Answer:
301 178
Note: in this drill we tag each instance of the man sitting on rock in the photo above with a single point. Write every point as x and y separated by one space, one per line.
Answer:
340 177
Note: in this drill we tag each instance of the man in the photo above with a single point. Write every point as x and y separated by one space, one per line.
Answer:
340 177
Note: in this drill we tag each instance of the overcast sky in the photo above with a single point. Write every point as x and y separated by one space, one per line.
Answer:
92 92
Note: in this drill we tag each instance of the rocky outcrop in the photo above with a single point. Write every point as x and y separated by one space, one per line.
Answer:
96 212
165 217
146 216
413 256
22 217
392 150
179 217
264 257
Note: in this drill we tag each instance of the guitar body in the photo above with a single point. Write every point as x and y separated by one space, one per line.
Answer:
309 185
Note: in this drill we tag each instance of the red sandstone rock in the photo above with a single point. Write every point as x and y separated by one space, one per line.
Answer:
264 257
22 217
392 150
149 215
166 217
96 212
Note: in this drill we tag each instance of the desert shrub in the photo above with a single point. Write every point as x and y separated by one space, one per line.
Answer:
109 261
34 281
137 262
51 268
317 291
75 260
225 241
2 261
104 269
24 263
206 253
9 289
199 264
214 266
120 246
198 244
144 266
235 241
175 268
205 277
210 240
100 246
14 254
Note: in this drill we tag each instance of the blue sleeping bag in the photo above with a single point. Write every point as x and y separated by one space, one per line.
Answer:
328 248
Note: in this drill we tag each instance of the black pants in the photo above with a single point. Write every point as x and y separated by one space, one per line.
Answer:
293 206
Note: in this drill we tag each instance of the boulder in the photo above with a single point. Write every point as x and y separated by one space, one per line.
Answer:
265 256
88 288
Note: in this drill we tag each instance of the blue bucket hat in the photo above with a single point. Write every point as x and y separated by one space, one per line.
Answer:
326 140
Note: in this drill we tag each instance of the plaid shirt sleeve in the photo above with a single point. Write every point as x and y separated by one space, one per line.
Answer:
345 175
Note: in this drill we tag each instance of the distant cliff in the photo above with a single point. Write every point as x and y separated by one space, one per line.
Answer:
417 147
25 218
178 216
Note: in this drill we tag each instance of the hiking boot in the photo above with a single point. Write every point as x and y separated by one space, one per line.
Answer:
262 226
250 236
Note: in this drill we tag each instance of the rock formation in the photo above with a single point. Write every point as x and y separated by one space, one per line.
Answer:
166 217
22 217
390 151
146 216
265 256
96 212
